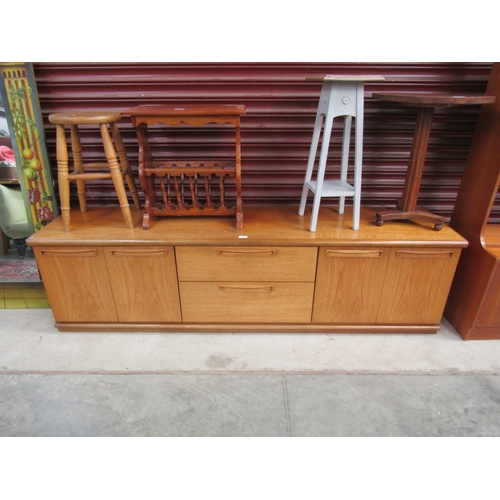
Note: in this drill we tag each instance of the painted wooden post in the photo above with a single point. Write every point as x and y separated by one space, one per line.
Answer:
20 98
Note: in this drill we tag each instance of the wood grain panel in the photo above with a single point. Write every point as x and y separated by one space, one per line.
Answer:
489 312
349 284
246 302
77 283
417 284
196 263
144 281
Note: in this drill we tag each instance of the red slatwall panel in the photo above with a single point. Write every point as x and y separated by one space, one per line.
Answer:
277 129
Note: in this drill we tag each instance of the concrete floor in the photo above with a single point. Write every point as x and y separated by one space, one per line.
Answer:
153 384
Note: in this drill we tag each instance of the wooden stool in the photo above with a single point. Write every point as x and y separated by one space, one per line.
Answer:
117 161
340 96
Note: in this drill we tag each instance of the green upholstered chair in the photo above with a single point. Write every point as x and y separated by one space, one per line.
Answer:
13 217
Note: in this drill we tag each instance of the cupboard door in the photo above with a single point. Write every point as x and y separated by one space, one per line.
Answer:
77 283
349 284
417 284
144 283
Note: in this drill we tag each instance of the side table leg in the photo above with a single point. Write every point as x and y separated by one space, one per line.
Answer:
239 203
407 206
417 159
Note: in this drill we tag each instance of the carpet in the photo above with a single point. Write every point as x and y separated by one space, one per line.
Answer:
19 271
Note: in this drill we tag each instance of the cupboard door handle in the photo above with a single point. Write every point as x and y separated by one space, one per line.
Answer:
139 253
245 252
229 288
70 253
415 254
354 253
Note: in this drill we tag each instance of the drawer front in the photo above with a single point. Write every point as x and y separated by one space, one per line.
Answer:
246 302
213 263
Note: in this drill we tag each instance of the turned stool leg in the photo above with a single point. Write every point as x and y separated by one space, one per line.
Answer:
116 175
76 147
62 175
125 165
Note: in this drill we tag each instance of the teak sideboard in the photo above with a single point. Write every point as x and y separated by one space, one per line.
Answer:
274 275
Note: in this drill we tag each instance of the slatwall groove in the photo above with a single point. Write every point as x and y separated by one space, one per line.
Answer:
277 128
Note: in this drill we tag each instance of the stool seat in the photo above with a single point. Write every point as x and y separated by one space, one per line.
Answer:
84 117
341 96
116 167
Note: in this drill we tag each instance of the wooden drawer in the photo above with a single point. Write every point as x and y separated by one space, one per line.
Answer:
246 302
224 263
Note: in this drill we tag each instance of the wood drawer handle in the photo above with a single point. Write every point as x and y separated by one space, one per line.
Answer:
139 253
247 253
70 253
227 288
430 254
354 253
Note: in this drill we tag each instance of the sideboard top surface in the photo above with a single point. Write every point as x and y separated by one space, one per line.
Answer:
263 225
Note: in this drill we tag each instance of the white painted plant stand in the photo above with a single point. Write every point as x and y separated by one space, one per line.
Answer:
340 96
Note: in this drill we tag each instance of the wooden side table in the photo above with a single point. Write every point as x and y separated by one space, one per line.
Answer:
187 188
426 104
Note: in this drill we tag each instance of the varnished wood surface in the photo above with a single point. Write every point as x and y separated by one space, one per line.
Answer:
246 302
349 284
434 100
417 284
491 236
264 225
83 117
194 115
472 307
186 110
230 263
270 286
248 327
85 294
346 78
489 313
136 297
426 104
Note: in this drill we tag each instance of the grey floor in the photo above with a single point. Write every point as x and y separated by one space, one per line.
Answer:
180 384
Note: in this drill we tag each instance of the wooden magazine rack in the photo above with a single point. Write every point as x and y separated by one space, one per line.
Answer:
187 188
